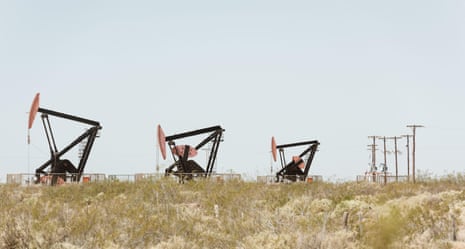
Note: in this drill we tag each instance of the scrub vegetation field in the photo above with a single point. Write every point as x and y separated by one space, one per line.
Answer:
235 214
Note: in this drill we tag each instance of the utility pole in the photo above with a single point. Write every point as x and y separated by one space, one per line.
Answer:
414 127
373 157
385 162
395 154
373 152
408 155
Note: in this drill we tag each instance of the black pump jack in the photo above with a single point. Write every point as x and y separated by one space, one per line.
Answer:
292 170
60 167
187 169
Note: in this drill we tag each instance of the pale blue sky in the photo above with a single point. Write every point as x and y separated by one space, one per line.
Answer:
336 71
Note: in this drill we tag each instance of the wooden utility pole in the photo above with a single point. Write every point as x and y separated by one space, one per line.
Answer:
385 162
414 127
373 152
395 154
408 155
373 157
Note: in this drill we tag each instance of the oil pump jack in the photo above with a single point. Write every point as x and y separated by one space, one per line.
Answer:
297 168
60 167
183 167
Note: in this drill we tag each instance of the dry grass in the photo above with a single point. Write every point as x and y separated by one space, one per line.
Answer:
235 214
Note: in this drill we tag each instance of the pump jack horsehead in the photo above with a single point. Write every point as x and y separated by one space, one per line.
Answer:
183 167
60 168
297 168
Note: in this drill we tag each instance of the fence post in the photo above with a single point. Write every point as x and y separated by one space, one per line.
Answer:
360 227
453 233
345 218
